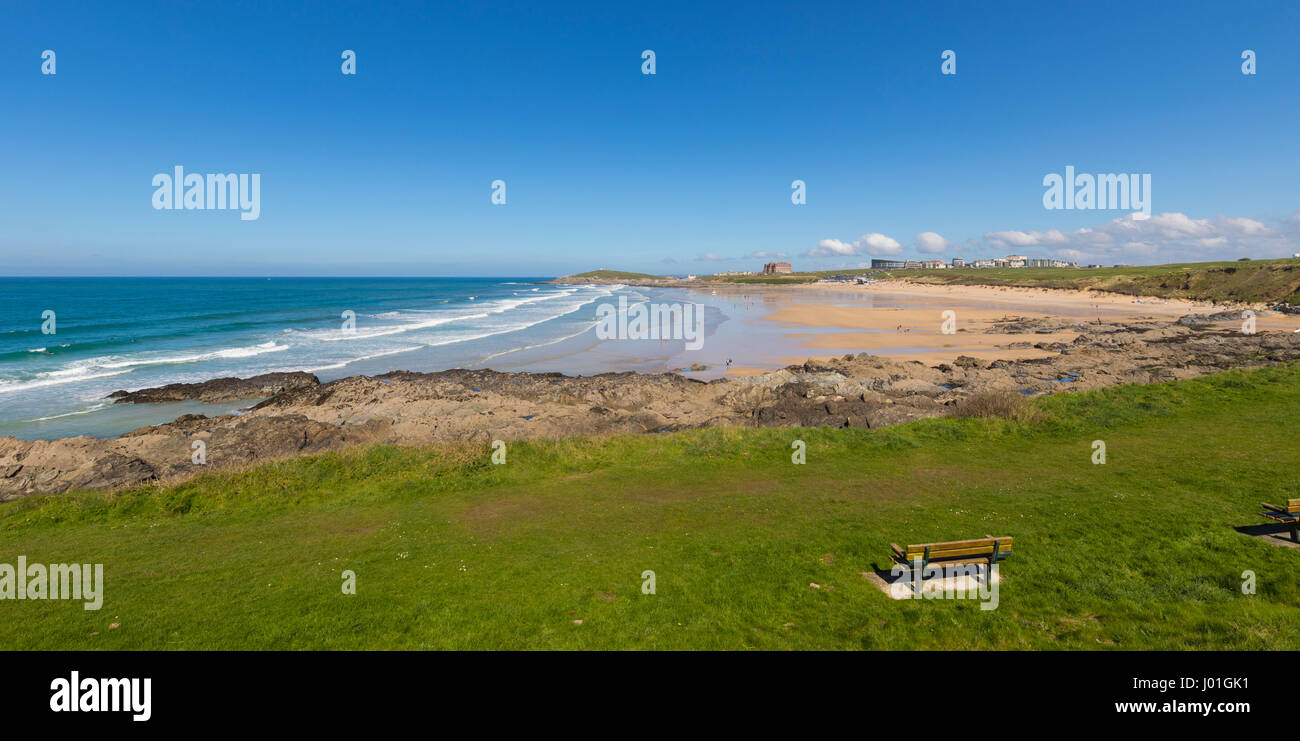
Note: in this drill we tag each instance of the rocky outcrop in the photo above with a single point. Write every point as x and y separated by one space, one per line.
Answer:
220 389
1192 320
303 416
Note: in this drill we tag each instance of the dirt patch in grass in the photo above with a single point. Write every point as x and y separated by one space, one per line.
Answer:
497 515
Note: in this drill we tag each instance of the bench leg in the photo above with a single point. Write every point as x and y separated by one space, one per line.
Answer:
1295 532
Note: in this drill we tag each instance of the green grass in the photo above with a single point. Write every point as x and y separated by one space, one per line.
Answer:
1253 281
451 551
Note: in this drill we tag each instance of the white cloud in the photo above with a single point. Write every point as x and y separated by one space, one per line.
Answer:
1133 237
868 244
709 257
1171 237
1025 239
879 244
765 255
831 247
931 243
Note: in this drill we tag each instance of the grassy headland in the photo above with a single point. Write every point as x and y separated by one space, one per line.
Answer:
451 551
606 275
1252 281
1243 281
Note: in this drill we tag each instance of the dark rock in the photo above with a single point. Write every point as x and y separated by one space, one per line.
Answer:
111 471
220 389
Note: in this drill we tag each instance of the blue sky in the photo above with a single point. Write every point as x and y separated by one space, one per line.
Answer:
389 172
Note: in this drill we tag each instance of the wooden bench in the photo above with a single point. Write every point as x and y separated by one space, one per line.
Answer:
1288 515
988 550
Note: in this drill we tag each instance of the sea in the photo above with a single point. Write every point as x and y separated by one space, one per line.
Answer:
66 343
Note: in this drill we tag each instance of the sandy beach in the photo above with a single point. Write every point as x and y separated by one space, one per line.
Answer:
904 320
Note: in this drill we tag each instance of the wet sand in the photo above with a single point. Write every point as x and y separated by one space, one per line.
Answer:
904 320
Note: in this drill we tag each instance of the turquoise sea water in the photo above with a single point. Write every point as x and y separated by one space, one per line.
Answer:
130 333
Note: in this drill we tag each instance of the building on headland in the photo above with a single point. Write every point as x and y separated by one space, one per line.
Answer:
958 262
888 264
777 267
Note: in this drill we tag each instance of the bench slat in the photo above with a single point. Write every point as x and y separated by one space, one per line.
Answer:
959 561
959 547
1004 540
957 553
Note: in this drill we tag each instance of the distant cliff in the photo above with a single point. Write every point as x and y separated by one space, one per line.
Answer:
616 276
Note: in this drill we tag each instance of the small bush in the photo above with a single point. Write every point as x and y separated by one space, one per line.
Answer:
1000 404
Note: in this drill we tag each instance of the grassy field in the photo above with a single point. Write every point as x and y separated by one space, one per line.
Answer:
451 551
1254 281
